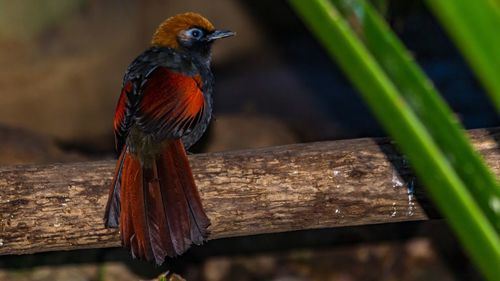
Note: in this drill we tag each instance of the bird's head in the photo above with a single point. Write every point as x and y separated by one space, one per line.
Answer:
189 32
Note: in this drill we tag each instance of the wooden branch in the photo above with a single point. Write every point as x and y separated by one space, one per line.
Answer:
277 189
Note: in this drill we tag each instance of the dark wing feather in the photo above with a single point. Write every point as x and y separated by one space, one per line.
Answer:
124 114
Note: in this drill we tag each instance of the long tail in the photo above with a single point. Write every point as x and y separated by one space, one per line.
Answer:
161 212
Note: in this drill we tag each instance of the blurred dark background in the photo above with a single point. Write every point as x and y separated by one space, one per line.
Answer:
62 65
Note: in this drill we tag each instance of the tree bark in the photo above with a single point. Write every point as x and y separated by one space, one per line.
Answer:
277 189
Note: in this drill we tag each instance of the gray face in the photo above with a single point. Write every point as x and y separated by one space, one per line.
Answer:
189 37
195 40
199 40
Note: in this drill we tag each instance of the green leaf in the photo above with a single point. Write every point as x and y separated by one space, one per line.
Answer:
419 92
415 140
474 26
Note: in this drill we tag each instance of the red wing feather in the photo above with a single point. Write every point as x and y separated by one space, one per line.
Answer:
120 107
170 102
121 120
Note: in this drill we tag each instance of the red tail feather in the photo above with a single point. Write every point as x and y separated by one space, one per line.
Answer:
161 210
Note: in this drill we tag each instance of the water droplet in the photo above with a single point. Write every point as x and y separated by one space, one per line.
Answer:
396 179
411 186
339 213
411 201
411 205
495 204
394 210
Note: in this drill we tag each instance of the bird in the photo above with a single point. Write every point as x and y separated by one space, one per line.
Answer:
164 107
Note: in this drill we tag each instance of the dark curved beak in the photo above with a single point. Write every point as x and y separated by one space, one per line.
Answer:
218 34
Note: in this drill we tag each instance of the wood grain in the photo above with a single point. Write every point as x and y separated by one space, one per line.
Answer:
277 189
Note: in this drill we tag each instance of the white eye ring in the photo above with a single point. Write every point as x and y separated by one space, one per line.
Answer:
194 33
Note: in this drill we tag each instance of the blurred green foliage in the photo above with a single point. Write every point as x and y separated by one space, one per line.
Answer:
474 27
27 18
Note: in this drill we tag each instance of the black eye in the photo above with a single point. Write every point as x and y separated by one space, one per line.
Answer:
195 33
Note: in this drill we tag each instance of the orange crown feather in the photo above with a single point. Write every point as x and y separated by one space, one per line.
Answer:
166 34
